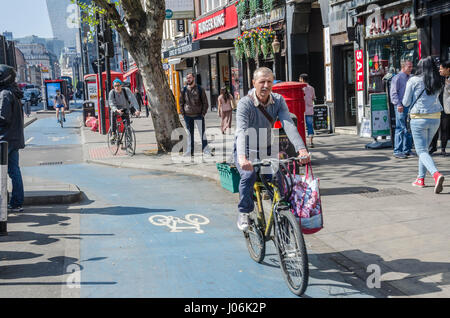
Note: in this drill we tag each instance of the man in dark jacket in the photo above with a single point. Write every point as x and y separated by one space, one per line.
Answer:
12 131
193 107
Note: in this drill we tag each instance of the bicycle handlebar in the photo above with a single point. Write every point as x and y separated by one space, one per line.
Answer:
269 162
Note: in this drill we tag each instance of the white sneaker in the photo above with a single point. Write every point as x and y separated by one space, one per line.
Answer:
243 222
207 152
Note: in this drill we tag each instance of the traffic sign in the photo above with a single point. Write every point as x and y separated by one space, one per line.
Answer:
169 14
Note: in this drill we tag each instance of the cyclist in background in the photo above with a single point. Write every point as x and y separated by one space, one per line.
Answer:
122 102
60 105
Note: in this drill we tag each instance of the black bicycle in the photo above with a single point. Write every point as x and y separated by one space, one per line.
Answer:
124 136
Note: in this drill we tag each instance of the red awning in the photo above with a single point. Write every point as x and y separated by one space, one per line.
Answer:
130 72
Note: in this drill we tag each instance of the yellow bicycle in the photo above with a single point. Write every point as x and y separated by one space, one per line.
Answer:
286 235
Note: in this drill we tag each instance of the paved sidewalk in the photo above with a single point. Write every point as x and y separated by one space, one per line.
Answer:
42 192
372 214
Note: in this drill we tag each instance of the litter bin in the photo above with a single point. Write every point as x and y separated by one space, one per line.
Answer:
294 96
88 109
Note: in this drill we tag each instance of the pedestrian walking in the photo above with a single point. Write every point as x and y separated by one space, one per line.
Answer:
310 96
27 108
12 131
256 112
444 129
225 109
147 105
138 97
403 139
422 95
193 107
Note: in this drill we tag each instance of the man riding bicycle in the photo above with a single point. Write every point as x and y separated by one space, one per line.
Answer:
254 120
121 102
60 105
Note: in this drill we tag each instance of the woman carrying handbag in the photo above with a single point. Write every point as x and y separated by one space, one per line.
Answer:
422 96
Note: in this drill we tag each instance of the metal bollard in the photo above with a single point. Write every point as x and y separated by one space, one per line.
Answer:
3 188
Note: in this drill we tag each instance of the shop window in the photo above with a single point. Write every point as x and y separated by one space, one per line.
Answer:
385 56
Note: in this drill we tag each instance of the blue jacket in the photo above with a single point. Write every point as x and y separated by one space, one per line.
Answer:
426 104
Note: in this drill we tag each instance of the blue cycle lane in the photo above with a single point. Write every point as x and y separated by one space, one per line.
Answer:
168 235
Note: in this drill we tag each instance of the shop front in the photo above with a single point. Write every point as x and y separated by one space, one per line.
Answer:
209 54
388 38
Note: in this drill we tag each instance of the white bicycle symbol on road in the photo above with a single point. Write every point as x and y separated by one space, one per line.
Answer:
176 224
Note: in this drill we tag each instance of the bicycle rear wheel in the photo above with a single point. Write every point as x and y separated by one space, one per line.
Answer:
291 250
130 141
113 145
254 237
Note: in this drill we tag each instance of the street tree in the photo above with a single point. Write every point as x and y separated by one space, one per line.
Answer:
140 26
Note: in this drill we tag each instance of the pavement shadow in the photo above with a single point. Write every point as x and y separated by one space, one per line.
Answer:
409 273
54 266
124 211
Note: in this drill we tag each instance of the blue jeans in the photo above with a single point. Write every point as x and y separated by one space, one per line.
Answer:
190 123
403 138
310 124
423 131
246 184
14 173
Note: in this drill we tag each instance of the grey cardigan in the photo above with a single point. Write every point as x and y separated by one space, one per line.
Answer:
250 120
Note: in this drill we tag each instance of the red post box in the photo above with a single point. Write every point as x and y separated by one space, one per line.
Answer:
295 100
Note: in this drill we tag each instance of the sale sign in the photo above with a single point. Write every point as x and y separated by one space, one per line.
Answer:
359 61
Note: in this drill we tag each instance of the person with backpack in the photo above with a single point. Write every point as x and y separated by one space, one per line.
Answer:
12 131
193 107
422 97
255 116
121 102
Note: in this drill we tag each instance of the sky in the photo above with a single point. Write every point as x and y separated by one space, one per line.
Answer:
24 18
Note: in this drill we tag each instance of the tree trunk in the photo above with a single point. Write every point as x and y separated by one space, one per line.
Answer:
142 38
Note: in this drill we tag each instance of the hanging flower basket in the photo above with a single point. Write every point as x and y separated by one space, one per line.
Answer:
267 5
241 8
266 38
254 43
246 44
239 48
253 7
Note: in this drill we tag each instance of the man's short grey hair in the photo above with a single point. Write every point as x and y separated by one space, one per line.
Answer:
403 62
262 71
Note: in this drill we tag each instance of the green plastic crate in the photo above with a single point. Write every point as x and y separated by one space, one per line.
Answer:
229 177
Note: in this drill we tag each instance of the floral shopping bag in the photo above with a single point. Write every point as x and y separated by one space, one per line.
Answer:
306 203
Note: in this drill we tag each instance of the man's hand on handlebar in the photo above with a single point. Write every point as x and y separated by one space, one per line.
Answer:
245 164
304 156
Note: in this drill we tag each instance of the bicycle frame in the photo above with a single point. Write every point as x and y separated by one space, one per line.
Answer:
261 217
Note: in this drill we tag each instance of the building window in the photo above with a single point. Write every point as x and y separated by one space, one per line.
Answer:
209 5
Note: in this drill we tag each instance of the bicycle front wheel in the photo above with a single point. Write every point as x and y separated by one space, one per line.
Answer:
61 118
113 144
130 141
254 237
292 253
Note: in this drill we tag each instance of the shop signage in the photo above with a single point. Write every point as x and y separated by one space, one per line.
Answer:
180 50
359 61
390 22
380 123
215 23
262 19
